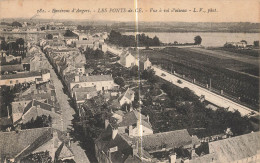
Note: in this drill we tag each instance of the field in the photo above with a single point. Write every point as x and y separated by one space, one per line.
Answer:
245 52
204 68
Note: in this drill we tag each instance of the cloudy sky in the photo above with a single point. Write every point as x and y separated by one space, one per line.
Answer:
227 10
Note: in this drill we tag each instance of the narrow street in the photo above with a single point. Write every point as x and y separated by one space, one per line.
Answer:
67 117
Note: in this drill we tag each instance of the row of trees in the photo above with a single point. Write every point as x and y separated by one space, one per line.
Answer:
16 48
131 41
69 33
13 24
93 54
80 27
193 114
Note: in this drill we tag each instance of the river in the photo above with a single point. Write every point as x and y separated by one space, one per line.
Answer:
208 38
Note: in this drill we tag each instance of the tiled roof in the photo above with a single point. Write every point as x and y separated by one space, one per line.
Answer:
21 75
95 78
131 118
84 89
172 139
42 105
80 96
236 148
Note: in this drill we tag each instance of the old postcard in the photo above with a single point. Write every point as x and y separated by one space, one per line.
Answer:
129 81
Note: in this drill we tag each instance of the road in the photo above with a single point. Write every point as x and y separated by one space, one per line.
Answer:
67 117
209 96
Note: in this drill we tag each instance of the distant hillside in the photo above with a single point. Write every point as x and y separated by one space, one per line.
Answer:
189 27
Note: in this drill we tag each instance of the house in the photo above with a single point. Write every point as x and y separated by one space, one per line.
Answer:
25 77
16 146
82 94
116 145
236 44
144 63
84 44
244 148
11 58
127 97
100 82
38 63
71 39
35 109
135 123
127 59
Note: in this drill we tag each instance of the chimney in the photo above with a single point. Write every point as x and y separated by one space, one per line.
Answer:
76 78
88 96
55 139
114 133
130 131
148 118
173 158
135 148
8 112
106 123
68 136
52 110
193 154
38 106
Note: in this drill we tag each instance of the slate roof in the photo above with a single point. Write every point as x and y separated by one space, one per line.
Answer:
105 142
45 106
236 148
17 67
83 95
95 78
171 139
22 143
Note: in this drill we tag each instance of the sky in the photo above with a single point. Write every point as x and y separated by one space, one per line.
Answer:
224 10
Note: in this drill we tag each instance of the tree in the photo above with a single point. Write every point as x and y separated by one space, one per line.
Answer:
256 43
120 81
149 75
244 41
134 71
197 40
16 24
49 36
3 45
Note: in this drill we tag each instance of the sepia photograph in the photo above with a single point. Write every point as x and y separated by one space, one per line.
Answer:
129 81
